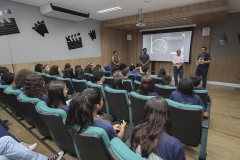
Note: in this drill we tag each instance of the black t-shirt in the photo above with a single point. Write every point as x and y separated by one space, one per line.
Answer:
144 58
205 57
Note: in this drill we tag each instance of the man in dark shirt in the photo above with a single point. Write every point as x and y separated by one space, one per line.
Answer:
203 61
144 57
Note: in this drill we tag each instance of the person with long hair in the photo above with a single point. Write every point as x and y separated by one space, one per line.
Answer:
57 92
67 65
117 83
39 68
152 137
54 71
79 74
83 112
21 78
186 95
88 69
34 87
161 73
46 69
147 86
77 66
68 73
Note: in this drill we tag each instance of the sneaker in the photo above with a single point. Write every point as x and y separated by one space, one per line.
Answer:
29 146
57 156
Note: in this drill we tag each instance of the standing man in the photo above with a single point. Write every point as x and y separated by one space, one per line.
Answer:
144 58
178 61
203 61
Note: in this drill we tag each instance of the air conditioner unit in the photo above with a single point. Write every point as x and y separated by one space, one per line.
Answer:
57 11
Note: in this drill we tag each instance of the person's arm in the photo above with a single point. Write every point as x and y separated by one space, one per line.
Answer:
113 60
122 130
205 62
200 102
174 61
118 60
147 61
140 60
183 60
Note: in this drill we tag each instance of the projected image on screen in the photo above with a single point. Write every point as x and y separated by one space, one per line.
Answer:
162 46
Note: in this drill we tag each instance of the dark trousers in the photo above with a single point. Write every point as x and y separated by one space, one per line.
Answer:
202 73
4 132
177 71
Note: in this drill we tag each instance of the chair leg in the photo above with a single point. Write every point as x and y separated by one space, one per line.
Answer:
45 138
203 150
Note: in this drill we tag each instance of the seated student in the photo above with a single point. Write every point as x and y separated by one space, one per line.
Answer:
186 95
21 78
11 149
196 81
144 70
39 68
161 73
34 87
132 71
115 71
68 73
88 104
3 70
122 66
88 69
79 74
99 76
67 65
125 74
96 69
77 66
57 92
46 69
147 86
99 66
54 71
152 138
117 83
8 78
167 80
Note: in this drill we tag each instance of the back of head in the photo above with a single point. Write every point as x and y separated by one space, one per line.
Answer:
167 80
99 66
79 74
68 73
78 66
156 120
55 94
8 78
67 65
54 70
161 73
98 75
39 68
125 72
147 85
3 70
88 69
122 66
95 69
117 82
196 80
82 107
34 85
144 68
21 78
132 67
115 69
185 86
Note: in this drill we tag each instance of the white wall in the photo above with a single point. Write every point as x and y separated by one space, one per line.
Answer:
29 46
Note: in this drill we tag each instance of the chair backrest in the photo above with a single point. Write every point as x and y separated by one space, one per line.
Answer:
157 80
186 122
2 95
45 78
58 130
132 77
107 68
118 103
92 144
127 85
28 104
139 77
203 94
137 85
164 91
86 76
79 85
108 80
50 78
107 73
68 83
138 103
92 79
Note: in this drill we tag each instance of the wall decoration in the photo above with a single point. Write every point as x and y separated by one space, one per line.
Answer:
40 28
7 11
223 39
8 26
74 41
92 34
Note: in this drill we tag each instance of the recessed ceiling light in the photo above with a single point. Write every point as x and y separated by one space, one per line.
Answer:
184 18
109 9
147 0
127 26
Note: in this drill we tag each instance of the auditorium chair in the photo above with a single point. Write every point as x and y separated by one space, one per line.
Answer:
127 85
28 104
139 77
2 95
50 78
138 103
68 83
107 73
108 80
54 118
157 80
203 94
119 104
164 91
45 78
79 85
189 126
105 107
132 77
136 85
92 78
86 76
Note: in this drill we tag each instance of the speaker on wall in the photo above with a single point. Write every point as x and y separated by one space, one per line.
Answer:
129 37
206 31
223 39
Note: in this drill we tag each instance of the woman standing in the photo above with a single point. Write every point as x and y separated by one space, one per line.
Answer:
115 59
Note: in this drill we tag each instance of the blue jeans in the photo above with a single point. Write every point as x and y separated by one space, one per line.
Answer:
177 71
11 149
202 73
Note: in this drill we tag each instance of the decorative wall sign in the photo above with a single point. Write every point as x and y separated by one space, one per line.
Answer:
74 41
40 28
8 26
92 34
7 11
223 39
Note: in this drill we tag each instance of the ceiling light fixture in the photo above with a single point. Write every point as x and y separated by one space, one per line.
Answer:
147 0
110 9
127 26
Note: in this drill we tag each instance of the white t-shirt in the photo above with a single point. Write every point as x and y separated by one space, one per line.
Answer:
178 59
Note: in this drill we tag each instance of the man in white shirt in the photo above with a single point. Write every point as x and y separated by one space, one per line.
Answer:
178 61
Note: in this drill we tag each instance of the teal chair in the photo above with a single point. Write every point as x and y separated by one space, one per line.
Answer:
86 76
79 85
136 85
92 79
107 73
189 126
119 104
127 85
164 91
50 78
3 98
157 80
203 94
138 103
68 83
108 80
132 77
139 77
105 107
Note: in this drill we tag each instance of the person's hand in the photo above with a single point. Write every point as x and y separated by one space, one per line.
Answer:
178 66
123 124
117 127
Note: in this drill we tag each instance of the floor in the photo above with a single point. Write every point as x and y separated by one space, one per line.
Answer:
223 136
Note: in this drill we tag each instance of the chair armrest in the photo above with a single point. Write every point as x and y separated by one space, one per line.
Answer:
205 123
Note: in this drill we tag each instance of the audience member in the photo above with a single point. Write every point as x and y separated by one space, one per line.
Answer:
88 69
67 65
196 81
46 69
57 92
77 66
144 70
54 71
96 69
21 78
99 66
68 73
115 71
147 86
3 70
79 74
152 138
167 80
125 74
122 66
186 95
91 65
132 71
117 83
161 73
39 68
99 76
8 78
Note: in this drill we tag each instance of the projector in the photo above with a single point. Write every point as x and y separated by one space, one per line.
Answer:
140 24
